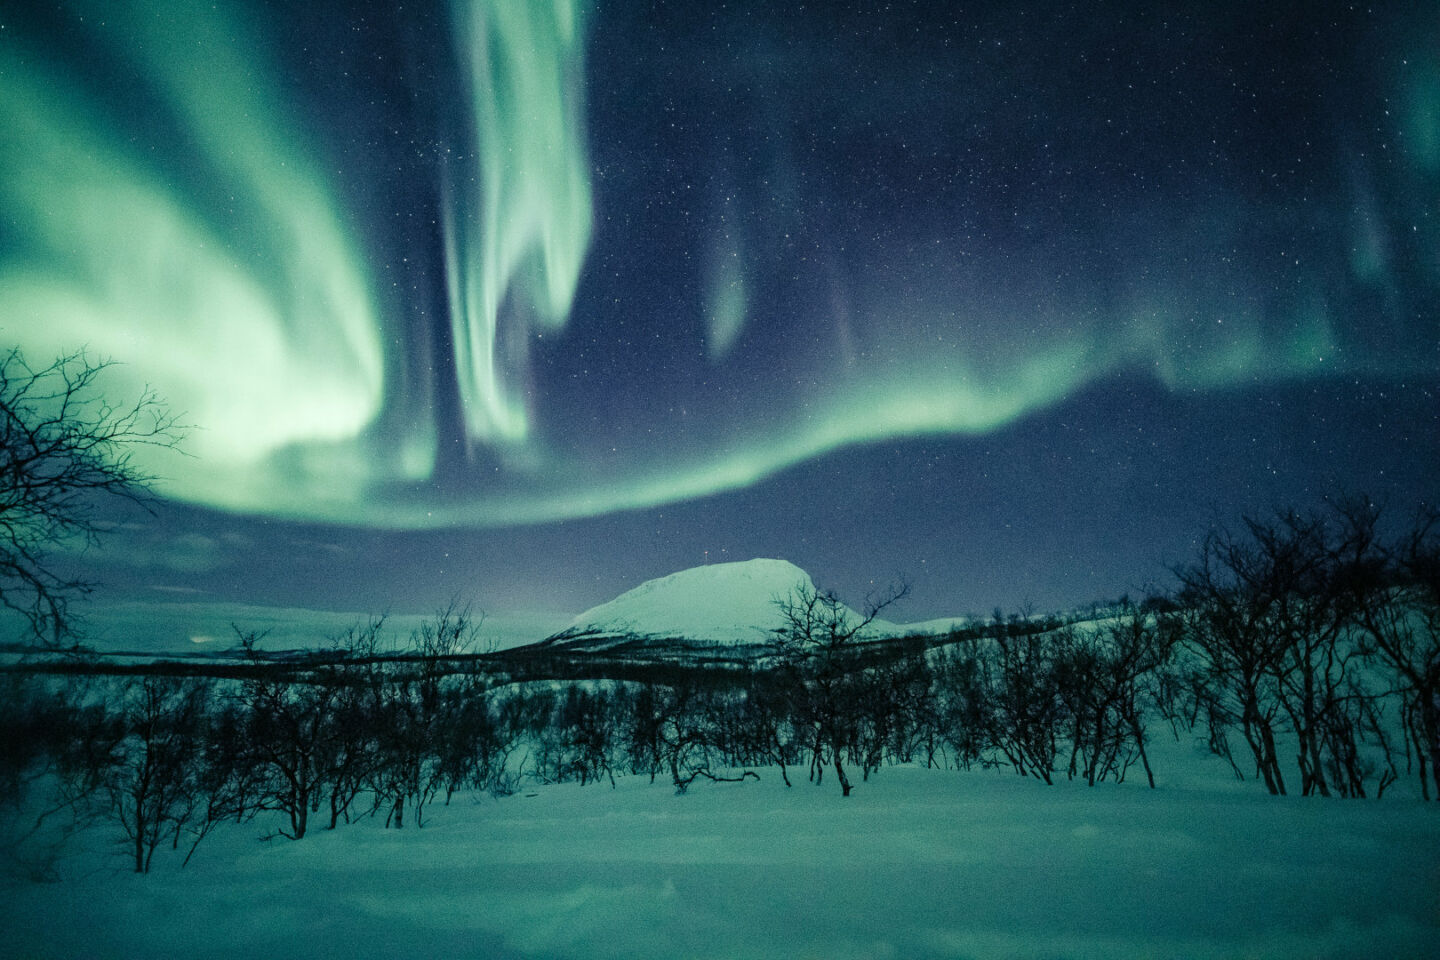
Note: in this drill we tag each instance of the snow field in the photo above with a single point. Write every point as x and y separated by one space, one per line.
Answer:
916 864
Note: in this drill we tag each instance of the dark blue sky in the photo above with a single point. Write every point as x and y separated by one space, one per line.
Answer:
490 300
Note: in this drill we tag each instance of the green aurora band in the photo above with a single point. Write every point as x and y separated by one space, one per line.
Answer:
256 317
257 325
523 67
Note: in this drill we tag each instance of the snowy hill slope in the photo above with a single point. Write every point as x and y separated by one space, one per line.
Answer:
717 604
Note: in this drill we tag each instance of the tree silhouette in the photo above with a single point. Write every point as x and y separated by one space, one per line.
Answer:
64 447
817 641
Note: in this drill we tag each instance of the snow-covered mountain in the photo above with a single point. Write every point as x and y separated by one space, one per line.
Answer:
717 604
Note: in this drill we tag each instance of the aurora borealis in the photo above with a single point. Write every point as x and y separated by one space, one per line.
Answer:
548 272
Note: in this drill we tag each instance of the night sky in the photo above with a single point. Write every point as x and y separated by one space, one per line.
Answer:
525 303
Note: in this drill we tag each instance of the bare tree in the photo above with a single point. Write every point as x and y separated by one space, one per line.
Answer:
817 640
1025 710
1227 597
1396 589
352 753
1414 648
1106 678
1277 616
583 721
156 783
768 722
966 710
417 715
64 447
288 725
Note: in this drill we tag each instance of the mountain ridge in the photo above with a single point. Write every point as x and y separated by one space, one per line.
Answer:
733 604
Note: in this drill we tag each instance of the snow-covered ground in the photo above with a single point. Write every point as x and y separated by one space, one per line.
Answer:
916 864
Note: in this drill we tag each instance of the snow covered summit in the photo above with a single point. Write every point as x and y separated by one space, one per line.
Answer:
720 603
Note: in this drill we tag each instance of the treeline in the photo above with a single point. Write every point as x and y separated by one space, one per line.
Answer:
1306 643
1318 631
